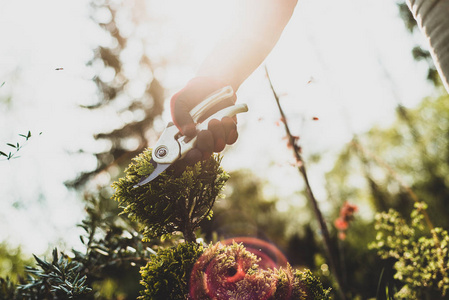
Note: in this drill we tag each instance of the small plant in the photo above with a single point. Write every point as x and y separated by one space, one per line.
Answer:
170 203
58 279
16 146
422 258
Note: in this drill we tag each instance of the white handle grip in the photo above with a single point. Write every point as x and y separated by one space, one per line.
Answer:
210 101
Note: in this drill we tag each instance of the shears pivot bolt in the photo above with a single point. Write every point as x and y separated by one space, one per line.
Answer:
161 152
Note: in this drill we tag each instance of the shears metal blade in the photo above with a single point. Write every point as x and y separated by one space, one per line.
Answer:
172 145
158 169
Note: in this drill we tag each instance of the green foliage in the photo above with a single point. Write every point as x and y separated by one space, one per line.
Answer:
167 274
389 168
422 257
170 203
16 146
109 267
114 250
7 289
312 284
406 16
111 240
58 279
120 23
382 166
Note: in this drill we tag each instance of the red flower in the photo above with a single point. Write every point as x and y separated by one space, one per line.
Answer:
346 216
341 224
348 210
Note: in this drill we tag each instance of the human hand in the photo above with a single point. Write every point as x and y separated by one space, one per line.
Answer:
219 133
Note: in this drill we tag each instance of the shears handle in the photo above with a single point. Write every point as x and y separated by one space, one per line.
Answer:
198 111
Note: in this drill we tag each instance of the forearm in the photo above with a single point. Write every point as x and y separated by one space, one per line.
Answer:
258 27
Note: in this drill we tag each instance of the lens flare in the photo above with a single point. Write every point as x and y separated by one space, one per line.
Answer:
270 256
239 268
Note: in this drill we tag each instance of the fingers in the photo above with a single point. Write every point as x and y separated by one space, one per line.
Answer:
205 143
203 150
218 135
224 132
230 127
191 158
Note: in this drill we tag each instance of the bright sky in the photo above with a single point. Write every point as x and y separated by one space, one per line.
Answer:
356 55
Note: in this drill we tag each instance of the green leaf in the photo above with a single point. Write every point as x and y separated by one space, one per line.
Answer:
27 136
11 145
3 153
2 84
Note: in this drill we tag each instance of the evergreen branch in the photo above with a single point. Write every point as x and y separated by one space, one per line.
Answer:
311 197
59 278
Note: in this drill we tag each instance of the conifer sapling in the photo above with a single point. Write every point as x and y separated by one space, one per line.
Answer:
170 202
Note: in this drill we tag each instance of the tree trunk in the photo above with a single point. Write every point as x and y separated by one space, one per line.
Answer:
188 233
432 17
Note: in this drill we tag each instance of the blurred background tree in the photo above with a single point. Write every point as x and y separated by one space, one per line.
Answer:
12 262
392 167
126 83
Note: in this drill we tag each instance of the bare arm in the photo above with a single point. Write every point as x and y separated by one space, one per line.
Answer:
258 27
254 33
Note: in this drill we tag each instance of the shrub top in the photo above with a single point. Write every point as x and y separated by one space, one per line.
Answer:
170 202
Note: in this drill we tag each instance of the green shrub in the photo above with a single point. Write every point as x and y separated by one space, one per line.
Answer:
170 203
167 274
59 279
421 255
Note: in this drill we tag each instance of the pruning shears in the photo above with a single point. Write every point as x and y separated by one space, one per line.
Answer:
172 145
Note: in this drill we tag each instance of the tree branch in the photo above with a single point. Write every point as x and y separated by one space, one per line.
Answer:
310 195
